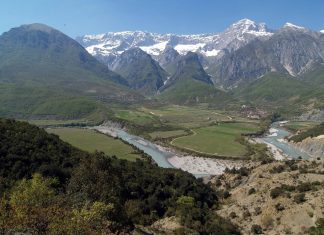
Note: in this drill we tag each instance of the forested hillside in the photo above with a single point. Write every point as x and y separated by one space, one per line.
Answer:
49 187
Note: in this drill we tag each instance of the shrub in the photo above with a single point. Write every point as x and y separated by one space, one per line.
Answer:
319 229
232 215
257 211
304 187
277 169
246 214
226 194
256 229
276 192
299 198
251 191
279 207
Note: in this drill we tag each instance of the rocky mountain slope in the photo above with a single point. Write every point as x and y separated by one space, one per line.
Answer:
190 84
244 51
185 68
140 70
292 50
107 47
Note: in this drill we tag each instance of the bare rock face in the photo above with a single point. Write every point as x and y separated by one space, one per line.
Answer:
313 146
292 50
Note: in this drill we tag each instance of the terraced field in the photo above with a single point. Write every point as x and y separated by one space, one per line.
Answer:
91 141
218 140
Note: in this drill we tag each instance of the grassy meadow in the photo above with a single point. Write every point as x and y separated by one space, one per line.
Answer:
90 140
216 140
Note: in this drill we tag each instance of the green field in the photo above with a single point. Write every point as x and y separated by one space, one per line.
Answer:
167 134
90 140
218 140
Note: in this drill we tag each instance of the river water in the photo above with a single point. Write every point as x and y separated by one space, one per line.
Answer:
158 154
161 155
166 158
277 138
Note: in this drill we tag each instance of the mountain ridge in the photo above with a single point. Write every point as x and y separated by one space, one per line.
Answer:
40 68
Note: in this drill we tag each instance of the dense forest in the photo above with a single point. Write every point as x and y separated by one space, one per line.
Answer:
49 187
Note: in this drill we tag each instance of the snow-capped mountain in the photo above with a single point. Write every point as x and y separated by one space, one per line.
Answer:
109 46
292 50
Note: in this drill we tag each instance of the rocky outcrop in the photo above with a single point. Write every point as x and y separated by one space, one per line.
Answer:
313 146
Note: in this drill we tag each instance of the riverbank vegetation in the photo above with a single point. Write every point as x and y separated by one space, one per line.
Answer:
49 187
312 132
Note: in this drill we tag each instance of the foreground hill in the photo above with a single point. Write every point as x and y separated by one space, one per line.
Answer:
49 187
276 198
51 67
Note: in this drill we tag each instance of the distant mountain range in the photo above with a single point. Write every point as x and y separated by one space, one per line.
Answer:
46 74
107 47
244 51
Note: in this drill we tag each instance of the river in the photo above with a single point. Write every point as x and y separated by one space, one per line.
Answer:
199 166
276 141
167 158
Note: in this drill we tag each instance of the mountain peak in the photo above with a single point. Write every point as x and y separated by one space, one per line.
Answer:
247 27
244 24
245 21
38 27
293 26
321 31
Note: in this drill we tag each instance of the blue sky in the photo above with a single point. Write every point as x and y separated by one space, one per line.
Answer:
78 17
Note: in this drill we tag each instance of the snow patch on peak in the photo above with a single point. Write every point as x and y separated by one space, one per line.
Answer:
321 31
213 52
244 21
290 25
155 49
184 48
94 37
246 26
